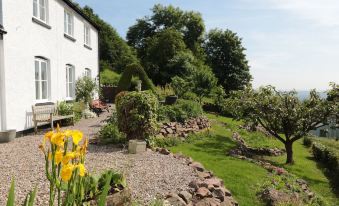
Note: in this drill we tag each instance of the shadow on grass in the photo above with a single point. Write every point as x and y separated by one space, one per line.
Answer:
333 178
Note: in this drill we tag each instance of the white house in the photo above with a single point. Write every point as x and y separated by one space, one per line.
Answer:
45 46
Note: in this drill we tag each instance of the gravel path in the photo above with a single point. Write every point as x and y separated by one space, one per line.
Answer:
149 175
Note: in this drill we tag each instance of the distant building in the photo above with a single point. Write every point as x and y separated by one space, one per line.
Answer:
45 46
330 129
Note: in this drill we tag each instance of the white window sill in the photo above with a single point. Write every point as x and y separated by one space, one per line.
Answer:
67 36
87 47
41 23
42 101
69 99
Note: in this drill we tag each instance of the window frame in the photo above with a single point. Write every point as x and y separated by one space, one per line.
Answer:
37 10
70 95
68 15
87 36
39 97
88 72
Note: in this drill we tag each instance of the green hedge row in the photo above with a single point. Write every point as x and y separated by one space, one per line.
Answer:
329 157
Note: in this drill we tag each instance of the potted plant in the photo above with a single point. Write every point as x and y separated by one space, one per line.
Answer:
7 135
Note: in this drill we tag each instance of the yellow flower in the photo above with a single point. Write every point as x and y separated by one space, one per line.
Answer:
76 136
58 156
66 172
42 148
48 136
82 169
58 139
69 156
68 133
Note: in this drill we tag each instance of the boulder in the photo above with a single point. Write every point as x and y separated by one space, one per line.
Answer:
197 166
175 200
186 196
208 202
203 192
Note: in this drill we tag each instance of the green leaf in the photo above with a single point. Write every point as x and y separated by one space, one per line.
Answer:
107 187
11 195
32 196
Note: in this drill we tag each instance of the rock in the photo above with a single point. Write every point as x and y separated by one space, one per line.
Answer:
175 200
219 194
208 202
186 196
203 192
197 166
229 201
204 175
194 184
169 130
215 182
164 151
276 197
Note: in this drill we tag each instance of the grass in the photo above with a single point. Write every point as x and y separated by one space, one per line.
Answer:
242 177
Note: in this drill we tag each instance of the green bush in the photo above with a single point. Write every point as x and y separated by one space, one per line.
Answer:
307 141
163 92
110 134
84 89
65 108
180 112
190 96
163 142
137 113
109 77
131 71
78 108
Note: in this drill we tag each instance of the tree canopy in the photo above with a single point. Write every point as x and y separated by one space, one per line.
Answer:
282 114
225 54
114 51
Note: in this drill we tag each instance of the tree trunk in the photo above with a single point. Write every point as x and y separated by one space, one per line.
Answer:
289 152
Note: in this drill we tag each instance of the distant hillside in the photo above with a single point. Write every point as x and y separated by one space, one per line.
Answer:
305 94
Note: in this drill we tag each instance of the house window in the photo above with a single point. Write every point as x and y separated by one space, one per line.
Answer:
70 81
40 10
88 73
69 23
87 35
41 79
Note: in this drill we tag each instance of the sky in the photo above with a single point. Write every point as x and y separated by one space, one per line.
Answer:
290 44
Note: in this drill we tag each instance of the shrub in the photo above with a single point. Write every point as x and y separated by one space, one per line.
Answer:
190 96
84 89
78 108
181 111
110 134
135 70
137 113
180 86
65 108
163 142
164 91
307 141
109 77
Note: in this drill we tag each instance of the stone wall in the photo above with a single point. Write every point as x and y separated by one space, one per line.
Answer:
178 129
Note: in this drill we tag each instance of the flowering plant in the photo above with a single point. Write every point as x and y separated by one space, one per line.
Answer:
64 165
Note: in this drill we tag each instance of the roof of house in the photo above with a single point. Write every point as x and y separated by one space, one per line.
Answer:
81 13
2 30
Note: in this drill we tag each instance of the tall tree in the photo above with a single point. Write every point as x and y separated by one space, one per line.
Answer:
282 114
114 51
225 54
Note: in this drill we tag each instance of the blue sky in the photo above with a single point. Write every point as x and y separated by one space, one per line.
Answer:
291 44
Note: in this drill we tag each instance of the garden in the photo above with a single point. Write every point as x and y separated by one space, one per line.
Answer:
185 127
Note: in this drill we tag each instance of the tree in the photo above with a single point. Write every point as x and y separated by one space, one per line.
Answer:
282 114
114 51
225 55
203 81
190 24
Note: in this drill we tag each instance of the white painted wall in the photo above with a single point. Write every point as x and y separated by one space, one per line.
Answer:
25 40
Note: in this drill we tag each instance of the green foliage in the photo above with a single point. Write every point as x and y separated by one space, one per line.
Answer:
190 96
307 141
30 198
180 111
180 86
203 81
109 77
65 108
114 51
137 114
84 89
163 92
226 56
190 25
280 112
78 108
11 195
105 190
110 134
135 70
163 142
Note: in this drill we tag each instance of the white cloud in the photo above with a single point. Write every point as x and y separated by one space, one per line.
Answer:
321 12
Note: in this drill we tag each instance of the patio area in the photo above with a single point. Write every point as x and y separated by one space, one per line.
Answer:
148 175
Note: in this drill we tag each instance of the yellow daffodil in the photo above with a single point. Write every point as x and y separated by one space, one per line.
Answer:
58 156
48 136
66 172
69 156
82 169
58 139
68 133
76 136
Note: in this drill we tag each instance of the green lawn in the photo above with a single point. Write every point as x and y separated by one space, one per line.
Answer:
242 177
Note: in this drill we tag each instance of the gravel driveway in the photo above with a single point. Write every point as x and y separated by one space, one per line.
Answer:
148 175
